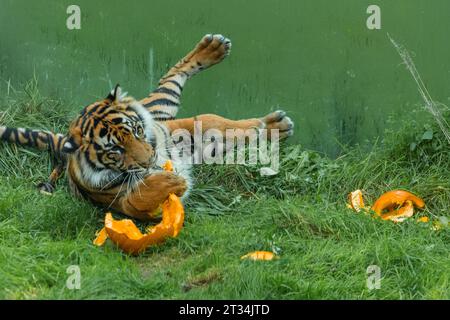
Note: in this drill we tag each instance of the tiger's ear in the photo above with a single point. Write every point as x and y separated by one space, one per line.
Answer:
70 146
115 94
73 141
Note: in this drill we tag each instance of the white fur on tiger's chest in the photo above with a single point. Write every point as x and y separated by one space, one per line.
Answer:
161 135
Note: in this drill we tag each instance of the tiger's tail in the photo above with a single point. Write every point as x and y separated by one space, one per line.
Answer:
39 139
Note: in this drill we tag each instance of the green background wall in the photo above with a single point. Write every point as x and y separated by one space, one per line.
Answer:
315 59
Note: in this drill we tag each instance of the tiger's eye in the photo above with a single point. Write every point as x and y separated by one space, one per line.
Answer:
117 149
140 132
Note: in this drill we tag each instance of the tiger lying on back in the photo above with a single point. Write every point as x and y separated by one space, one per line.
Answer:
115 149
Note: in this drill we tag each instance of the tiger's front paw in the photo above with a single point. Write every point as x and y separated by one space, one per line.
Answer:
143 202
211 50
46 188
172 183
279 120
159 185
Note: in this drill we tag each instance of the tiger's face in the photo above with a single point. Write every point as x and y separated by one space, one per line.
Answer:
114 134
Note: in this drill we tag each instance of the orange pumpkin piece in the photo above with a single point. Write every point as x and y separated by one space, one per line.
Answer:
394 199
102 235
129 238
259 255
401 214
355 200
168 166
424 219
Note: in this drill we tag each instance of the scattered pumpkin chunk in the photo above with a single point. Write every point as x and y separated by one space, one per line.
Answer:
129 238
259 255
395 199
355 200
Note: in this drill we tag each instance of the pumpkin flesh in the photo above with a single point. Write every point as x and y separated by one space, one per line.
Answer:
355 200
400 214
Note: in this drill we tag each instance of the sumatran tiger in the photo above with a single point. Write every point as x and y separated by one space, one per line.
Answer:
115 149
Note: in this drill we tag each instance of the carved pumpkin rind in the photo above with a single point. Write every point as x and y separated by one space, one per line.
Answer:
396 199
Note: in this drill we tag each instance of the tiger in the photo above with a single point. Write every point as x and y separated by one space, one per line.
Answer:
115 149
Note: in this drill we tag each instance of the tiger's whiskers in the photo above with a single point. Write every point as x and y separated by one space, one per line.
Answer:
109 183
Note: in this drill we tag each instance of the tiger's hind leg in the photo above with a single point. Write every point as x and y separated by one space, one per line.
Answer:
278 120
163 102
274 120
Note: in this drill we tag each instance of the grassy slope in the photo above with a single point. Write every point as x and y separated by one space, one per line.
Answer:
325 248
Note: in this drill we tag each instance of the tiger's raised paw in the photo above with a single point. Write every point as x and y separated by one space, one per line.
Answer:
211 50
279 120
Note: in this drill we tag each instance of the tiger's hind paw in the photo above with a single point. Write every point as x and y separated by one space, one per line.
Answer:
279 120
211 50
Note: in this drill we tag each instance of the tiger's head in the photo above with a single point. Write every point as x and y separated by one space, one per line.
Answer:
113 134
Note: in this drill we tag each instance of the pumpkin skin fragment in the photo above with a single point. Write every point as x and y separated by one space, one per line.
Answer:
174 207
394 199
102 235
259 255
424 219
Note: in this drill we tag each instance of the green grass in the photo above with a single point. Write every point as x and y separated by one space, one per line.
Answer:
324 247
